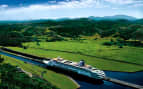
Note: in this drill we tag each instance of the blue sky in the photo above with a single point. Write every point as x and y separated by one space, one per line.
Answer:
52 9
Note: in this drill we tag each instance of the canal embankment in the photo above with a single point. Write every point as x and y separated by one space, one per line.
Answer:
124 83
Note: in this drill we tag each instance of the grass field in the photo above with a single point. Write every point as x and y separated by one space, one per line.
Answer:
56 79
95 48
92 51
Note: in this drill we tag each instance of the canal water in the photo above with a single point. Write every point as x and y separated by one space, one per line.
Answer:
136 78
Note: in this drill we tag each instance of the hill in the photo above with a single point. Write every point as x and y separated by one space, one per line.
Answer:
116 17
113 18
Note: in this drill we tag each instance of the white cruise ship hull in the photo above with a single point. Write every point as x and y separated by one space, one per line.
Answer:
96 73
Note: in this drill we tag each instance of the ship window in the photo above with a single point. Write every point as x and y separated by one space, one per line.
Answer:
68 62
94 69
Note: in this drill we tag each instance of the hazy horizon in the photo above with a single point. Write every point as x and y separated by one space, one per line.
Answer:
53 9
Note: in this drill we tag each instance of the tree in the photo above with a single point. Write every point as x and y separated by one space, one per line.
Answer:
138 35
125 32
1 59
11 78
11 38
42 73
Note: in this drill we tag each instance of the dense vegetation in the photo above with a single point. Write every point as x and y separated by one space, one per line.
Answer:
12 78
59 80
50 30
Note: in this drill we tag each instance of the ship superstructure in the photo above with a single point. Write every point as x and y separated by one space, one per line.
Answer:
85 70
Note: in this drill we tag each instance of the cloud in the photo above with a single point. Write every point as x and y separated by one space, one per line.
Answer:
71 4
123 2
82 4
3 6
54 1
70 8
115 8
120 1
137 5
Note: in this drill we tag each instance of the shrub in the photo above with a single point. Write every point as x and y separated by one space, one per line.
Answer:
134 43
11 78
1 59
120 45
108 43
55 38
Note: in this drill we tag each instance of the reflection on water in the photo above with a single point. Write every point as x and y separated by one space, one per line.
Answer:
136 78
22 59
106 85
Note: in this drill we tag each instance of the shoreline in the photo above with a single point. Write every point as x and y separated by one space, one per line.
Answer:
78 86
123 71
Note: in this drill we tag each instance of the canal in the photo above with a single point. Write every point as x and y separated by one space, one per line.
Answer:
136 77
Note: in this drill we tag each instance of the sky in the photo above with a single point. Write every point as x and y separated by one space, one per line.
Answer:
53 9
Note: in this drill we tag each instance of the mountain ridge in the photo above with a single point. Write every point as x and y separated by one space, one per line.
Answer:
113 18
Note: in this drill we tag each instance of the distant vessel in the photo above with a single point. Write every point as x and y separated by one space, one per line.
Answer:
79 68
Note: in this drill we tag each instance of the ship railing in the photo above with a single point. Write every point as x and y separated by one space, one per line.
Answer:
75 64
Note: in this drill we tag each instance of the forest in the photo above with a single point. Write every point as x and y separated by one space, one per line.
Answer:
11 77
13 34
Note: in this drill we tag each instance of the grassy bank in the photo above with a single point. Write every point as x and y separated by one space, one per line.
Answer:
56 79
95 48
13 78
96 62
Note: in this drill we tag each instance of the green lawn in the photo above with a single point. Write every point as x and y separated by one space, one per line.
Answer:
97 62
56 79
95 48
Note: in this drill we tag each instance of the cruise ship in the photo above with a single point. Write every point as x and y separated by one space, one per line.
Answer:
80 68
